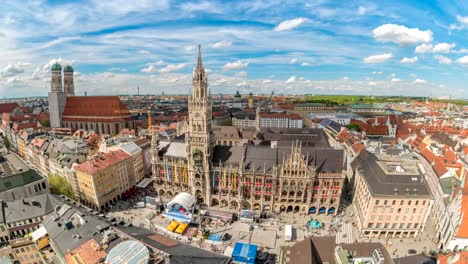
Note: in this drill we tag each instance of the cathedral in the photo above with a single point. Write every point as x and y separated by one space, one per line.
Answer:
273 170
101 114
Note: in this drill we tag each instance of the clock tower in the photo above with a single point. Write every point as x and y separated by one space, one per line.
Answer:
199 136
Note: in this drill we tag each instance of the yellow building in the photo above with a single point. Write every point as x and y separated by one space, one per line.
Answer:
105 179
22 250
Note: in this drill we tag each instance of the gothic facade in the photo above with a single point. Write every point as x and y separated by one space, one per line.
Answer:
276 170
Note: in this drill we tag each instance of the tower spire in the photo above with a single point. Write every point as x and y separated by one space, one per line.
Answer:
200 64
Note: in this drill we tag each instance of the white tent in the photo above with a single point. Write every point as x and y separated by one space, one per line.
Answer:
39 233
186 200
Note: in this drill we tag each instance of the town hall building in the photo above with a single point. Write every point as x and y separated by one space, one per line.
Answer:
275 170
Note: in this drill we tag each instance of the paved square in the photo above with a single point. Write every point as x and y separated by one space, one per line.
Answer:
264 238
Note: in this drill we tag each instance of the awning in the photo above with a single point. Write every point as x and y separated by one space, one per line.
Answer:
39 233
144 183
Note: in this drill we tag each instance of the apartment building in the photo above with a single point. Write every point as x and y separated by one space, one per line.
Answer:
21 250
136 159
102 180
18 180
391 198
23 216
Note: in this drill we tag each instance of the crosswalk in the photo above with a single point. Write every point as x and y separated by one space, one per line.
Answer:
345 235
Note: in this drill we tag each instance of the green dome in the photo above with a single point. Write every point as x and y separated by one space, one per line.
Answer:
56 67
68 68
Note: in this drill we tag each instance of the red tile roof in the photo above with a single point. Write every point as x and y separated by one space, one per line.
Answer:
464 133
358 147
8 107
102 162
95 106
370 129
437 162
444 259
89 252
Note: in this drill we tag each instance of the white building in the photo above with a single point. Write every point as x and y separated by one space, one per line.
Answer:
340 118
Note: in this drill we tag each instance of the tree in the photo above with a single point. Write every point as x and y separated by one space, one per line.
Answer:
353 127
6 142
227 122
60 185
45 123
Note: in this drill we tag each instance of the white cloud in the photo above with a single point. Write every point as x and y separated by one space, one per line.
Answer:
420 81
190 48
463 61
11 70
293 61
443 59
304 64
266 81
395 80
172 67
243 84
241 74
291 79
202 6
372 83
409 60
401 34
362 10
149 69
290 24
439 48
377 72
117 69
378 58
156 63
423 48
107 74
237 65
345 78
443 47
464 50
462 19
144 52
221 44
463 22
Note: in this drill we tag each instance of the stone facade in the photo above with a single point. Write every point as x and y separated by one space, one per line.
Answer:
273 178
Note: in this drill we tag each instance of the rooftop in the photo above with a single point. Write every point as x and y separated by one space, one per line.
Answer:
95 106
102 161
27 208
390 177
20 179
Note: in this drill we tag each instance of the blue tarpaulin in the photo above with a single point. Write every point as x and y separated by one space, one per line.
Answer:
244 253
214 237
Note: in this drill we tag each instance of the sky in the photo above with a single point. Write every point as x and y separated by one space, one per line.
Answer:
414 48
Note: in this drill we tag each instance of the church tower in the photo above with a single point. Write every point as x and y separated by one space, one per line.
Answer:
56 97
68 84
199 137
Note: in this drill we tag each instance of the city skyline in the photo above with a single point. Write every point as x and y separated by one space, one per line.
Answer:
293 48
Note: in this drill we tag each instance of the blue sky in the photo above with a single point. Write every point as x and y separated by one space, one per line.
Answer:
292 47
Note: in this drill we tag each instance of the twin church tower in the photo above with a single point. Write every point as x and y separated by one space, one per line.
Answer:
59 92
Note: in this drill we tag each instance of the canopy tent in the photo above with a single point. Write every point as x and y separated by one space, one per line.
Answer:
184 199
244 253
181 228
172 226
